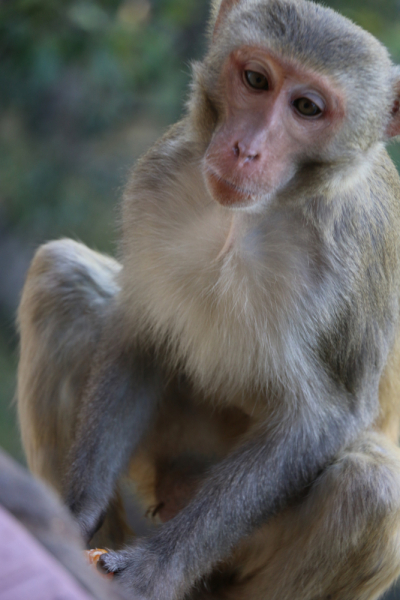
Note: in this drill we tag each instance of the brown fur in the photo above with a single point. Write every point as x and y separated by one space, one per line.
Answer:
388 421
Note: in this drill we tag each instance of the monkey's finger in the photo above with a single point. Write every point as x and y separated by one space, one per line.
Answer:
114 562
103 567
94 556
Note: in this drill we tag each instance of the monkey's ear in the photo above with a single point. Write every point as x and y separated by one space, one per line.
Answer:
220 10
393 127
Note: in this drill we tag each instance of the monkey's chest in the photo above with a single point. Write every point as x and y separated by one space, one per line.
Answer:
231 318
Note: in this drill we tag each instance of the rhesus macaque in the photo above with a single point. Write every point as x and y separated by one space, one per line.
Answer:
243 364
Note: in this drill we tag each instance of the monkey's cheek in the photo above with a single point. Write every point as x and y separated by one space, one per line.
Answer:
227 194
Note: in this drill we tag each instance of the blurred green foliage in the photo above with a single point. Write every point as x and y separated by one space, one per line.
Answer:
72 71
69 73
85 87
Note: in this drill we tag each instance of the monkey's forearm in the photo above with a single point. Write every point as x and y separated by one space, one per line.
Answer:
115 415
241 493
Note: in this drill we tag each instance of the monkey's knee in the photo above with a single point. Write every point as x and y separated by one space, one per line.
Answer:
64 278
67 290
342 541
364 480
359 517
354 520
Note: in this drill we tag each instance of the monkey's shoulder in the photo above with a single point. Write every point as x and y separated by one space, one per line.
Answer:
170 155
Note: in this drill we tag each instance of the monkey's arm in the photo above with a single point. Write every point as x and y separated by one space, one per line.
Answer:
241 493
116 411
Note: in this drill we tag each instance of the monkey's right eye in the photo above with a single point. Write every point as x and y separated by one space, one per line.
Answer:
258 81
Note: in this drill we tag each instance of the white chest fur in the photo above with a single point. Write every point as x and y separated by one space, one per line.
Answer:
227 291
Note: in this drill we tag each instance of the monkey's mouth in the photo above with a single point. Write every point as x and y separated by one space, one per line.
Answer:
226 192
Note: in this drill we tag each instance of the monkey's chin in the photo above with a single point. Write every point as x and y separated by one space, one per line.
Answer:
228 194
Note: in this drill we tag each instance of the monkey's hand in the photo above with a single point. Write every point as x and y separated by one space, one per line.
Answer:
143 570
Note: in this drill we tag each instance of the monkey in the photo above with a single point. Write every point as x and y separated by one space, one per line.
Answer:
32 516
240 362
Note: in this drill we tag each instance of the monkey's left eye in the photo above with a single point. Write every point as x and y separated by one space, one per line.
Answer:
307 107
258 81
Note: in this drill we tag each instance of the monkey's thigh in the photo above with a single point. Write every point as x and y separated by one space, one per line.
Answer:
342 542
67 292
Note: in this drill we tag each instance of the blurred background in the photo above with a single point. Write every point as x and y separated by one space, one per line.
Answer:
85 88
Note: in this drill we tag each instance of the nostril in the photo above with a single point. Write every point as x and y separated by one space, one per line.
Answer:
244 153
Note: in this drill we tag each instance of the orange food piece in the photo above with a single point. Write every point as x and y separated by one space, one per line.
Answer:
93 558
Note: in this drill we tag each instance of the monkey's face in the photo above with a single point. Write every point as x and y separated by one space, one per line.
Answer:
275 116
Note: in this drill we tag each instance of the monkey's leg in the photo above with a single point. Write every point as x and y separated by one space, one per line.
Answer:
67 292
342 542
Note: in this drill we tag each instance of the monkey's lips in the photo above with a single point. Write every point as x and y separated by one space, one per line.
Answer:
227 193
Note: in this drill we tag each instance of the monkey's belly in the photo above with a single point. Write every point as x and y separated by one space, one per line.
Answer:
176 484
166 486
188 438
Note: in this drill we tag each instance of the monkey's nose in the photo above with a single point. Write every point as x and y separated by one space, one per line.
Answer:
243 153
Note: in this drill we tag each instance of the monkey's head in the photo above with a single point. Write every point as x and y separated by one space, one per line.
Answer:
287 84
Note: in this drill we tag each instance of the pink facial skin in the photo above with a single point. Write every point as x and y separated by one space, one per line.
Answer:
263 135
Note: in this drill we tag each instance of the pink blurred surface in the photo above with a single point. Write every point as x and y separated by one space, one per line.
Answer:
28 571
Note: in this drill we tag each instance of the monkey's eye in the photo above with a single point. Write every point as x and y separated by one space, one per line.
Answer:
307 107
258 81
